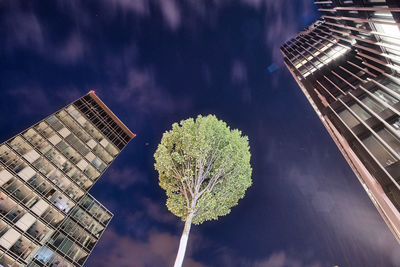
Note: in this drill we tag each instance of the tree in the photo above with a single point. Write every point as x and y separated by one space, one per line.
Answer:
204 167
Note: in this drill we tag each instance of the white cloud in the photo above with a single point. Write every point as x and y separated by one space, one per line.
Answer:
171 13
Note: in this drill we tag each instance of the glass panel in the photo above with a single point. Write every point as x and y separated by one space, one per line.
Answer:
348 118
385 97
364 115
379 151
372 104
390 139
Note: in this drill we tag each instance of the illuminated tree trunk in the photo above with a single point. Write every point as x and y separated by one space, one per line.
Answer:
183 242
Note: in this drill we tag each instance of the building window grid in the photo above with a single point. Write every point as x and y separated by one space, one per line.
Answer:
78 222
90 114
77 144
110 148
107 214
86 242
102 165
118 139
81 148
103 209
382 84
72 146
12 224
368 29
7 260
79 182
374 133
48 225
50 229
365 148
393 131
51 208
55 259
29 250
73 190
75 125
51 145
369 72
35 189
47 178
305 60
90 215
102 114
73 252
109 134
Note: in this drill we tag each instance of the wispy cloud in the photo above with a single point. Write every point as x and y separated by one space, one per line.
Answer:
139 89
24 29
139 7
283 259
354 223
281 23
159 249
34 99
238 72
171 13
123 178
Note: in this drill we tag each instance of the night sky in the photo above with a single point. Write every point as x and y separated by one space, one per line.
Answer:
155 62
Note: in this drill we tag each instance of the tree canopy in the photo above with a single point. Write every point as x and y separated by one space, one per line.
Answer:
204 167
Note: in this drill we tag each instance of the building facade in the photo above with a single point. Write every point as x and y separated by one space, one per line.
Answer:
47 216
347 64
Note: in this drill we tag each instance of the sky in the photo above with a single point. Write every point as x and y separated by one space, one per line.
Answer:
155 62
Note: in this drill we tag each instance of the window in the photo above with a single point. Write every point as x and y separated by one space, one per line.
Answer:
348 118
364 115
379 151
385 97
372 104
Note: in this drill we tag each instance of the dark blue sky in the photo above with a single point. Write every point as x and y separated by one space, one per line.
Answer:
154 62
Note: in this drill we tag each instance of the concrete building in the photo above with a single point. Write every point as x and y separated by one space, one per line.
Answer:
348 65
47 216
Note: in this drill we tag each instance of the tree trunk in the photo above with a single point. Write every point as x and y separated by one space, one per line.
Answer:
183 242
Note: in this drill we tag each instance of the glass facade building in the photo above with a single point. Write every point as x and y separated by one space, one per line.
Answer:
47 216
347 64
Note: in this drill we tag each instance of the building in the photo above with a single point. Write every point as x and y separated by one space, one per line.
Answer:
347 64
48 218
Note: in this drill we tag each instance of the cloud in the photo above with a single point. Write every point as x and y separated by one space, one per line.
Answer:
239 72
349 219
24 29
139 89
253 3
124 177
280 25
159 249
34 99
282 259
139 7
159 212
72 49
171 13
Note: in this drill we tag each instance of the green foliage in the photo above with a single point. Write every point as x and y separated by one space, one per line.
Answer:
204 167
